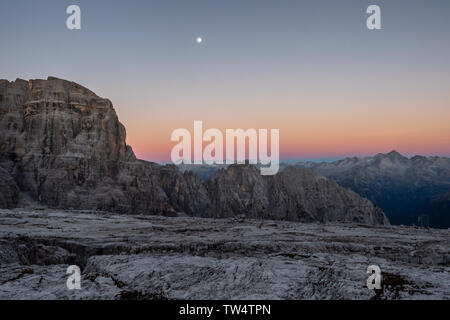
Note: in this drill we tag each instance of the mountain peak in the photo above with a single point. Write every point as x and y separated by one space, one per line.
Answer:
396 155
393 155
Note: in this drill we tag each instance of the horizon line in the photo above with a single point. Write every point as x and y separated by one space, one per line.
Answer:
320 159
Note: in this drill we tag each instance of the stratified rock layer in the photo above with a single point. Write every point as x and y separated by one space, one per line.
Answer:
64 146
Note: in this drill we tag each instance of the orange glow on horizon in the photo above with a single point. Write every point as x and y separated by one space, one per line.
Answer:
312 126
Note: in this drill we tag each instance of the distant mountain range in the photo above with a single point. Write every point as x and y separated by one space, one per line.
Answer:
409 190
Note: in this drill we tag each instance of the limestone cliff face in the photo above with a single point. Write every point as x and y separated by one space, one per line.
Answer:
64 146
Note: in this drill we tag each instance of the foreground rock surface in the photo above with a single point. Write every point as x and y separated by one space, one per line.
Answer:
152 257
63 146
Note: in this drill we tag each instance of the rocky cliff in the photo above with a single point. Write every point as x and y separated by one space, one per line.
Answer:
63 146
293 194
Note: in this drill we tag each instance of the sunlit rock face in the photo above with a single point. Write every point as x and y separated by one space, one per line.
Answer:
62 146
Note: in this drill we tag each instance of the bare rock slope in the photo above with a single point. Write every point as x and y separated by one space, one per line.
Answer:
63 146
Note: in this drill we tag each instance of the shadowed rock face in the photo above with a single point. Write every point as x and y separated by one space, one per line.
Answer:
9 193
293 194
64 146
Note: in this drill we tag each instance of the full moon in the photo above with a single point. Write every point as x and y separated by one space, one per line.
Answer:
199 40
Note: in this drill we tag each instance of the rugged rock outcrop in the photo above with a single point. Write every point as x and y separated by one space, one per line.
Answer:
65 147
293 194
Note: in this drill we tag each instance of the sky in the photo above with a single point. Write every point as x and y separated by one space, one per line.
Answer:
311 69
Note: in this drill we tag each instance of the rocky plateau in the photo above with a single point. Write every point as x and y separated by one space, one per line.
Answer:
155 257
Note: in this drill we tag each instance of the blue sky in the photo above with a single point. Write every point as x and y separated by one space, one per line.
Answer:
310 68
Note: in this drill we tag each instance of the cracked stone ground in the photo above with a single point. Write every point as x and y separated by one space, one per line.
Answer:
151 257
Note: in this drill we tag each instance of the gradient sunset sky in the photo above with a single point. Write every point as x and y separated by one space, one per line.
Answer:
309 68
